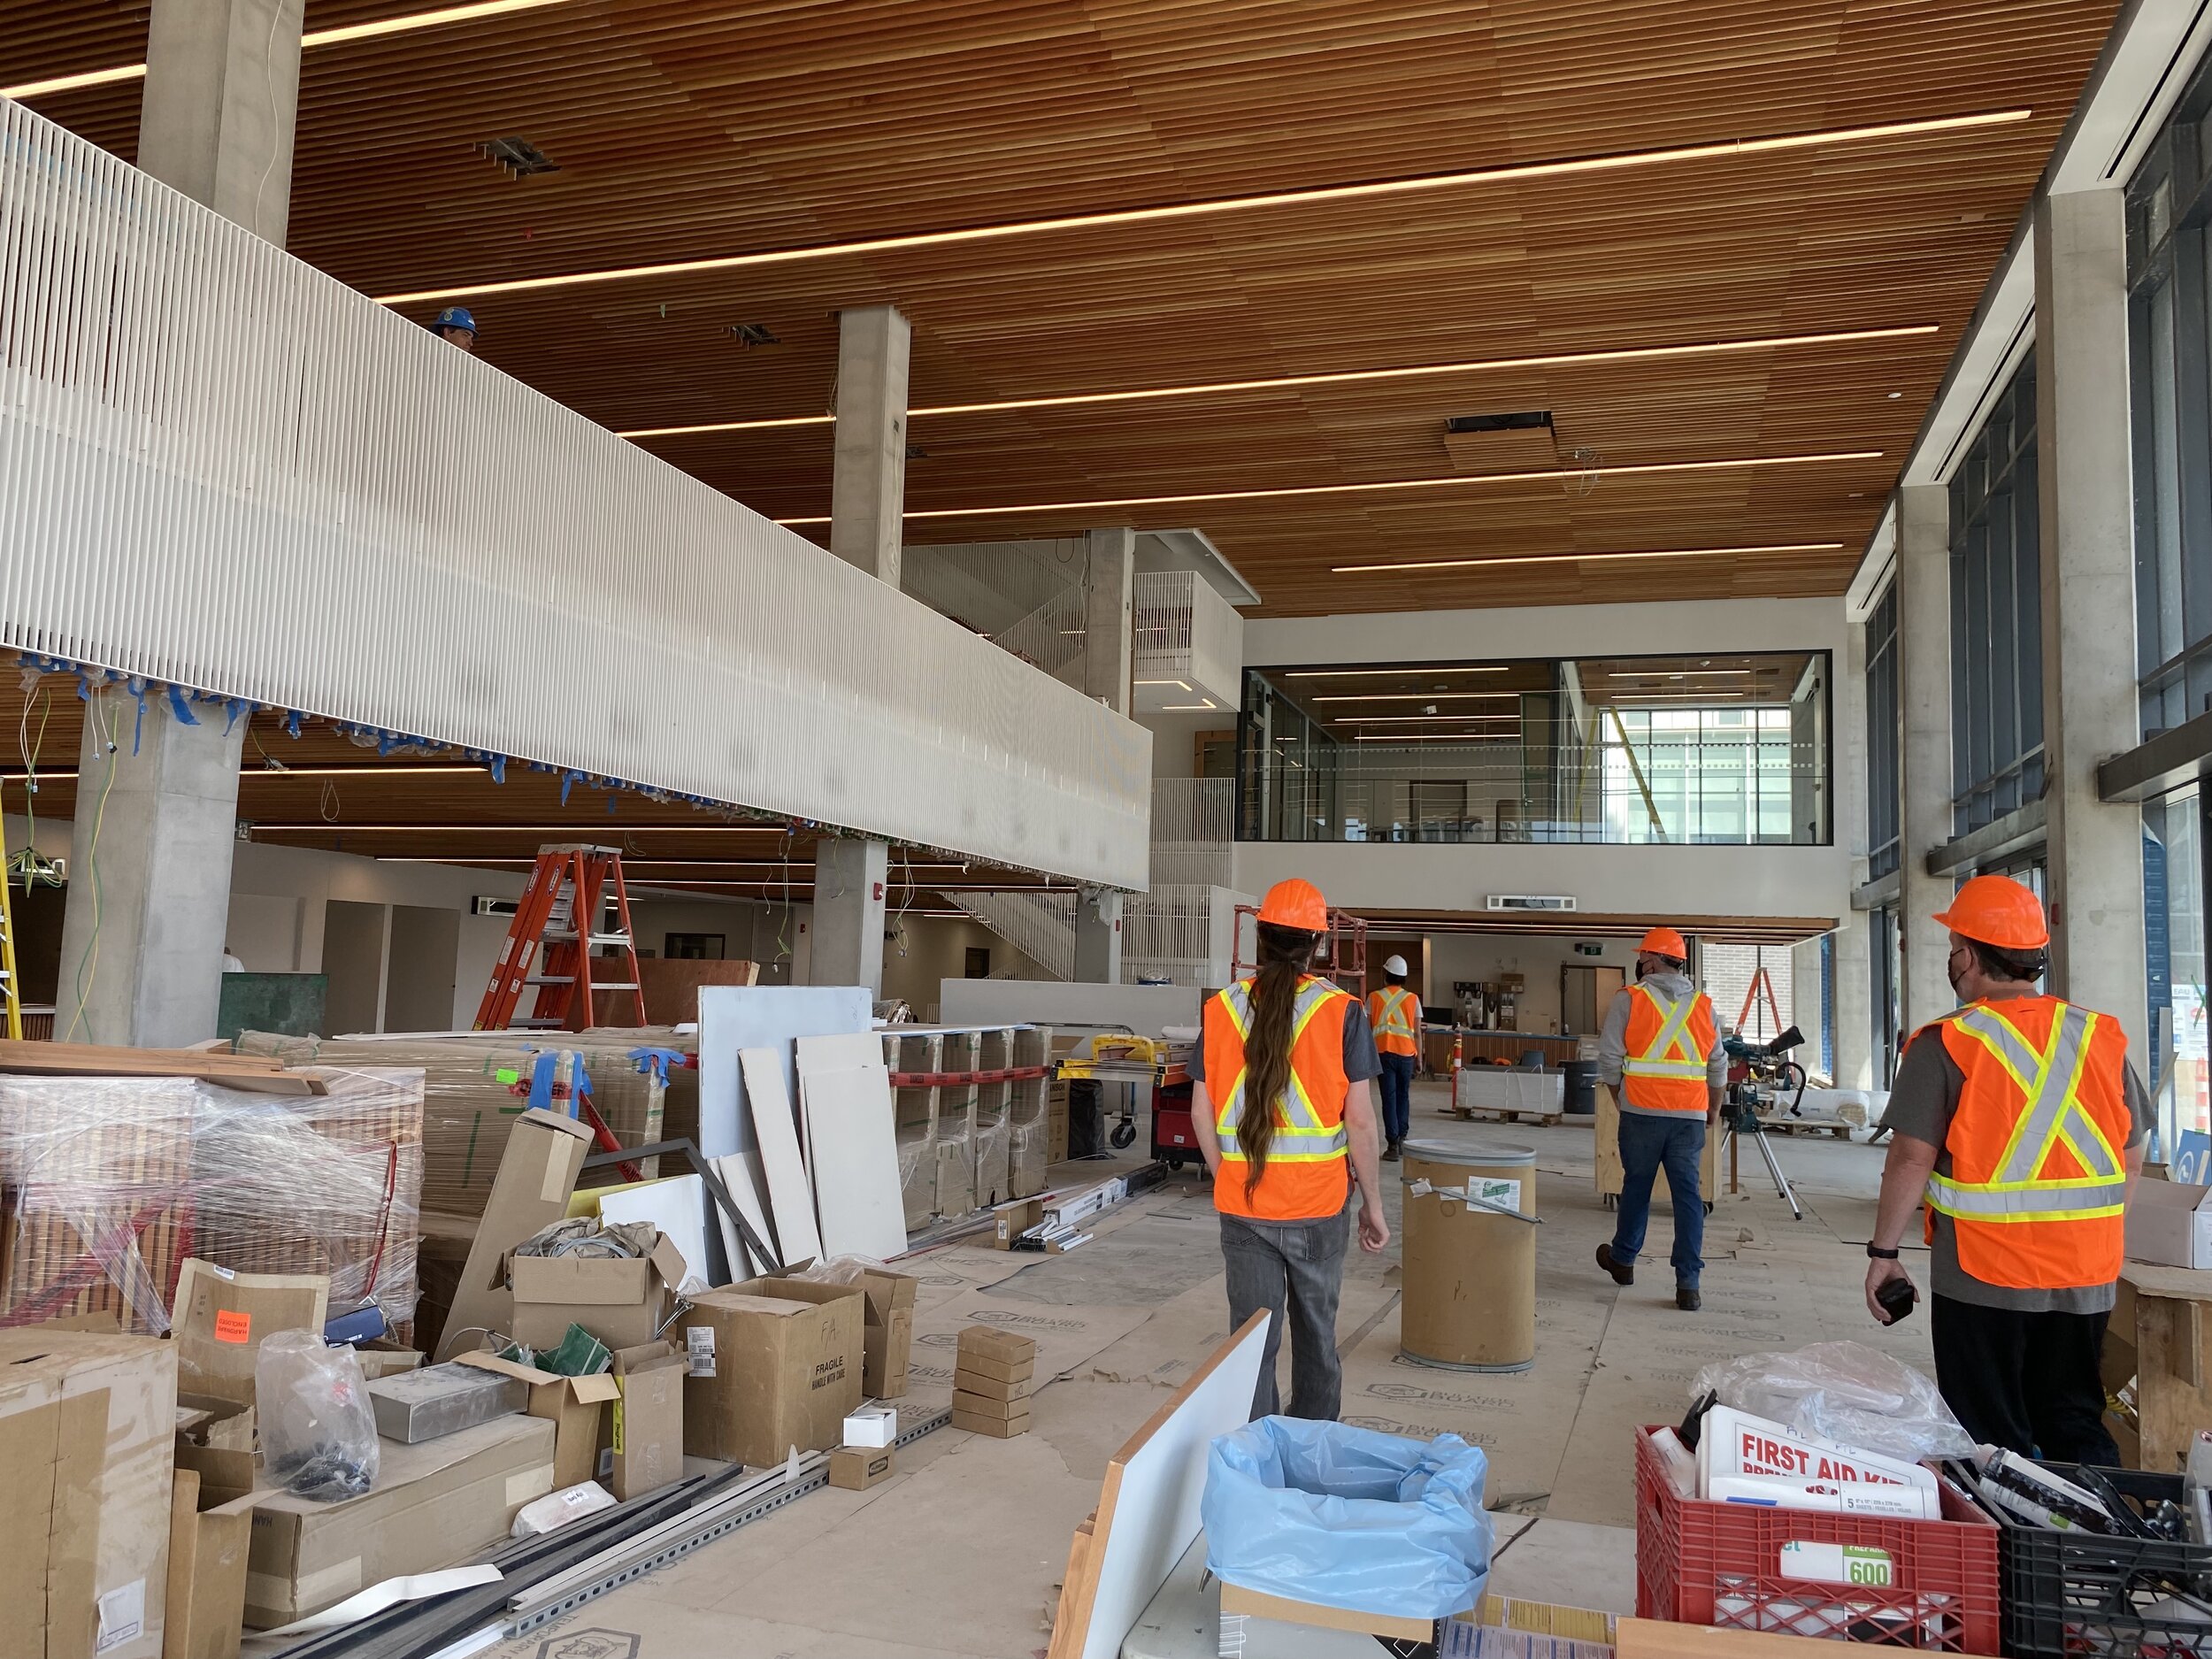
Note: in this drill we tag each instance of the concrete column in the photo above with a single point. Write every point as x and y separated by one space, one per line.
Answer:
1109 616
849 874
2086 493
1098 936
1852 1009
868 488
218 113
141 943
1923 684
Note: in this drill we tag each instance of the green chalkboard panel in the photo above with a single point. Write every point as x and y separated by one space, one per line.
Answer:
288 1002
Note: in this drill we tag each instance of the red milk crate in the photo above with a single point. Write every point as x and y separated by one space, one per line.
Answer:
1720 1565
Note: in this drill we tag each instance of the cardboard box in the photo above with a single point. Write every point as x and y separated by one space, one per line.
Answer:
2169 1224
384 1357
996 1370
644 1433
787 1359
996 1428
439 1399
857 1468
215 1444
433 1505
872 1427
87 1425
573 1405
887 1340
537 1172
975 1382
1834 1497
984 1406
221 1317
1736 1443
983 1341
1013 1220
208 1546
622 1302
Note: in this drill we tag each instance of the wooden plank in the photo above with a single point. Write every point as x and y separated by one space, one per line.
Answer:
789 1195
1252 1603
252 1073
1657 1639
1074 1585
1148 1508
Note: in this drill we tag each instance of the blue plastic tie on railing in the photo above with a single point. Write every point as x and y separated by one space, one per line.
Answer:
240 709
657 1062
569 779
291 723
542 1084
137 688
180 706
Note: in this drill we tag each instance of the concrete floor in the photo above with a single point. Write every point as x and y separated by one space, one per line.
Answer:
957 1553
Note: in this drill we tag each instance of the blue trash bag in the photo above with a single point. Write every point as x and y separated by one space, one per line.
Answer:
1348 1517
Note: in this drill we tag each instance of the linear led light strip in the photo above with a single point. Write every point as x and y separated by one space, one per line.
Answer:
313 38
1241 203
1421 696
1345 377
1400 484
1349 673
1577 558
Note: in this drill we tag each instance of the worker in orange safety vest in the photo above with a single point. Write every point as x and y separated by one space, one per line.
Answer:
1395 1013
1280 1082
1660 1053
2020 1124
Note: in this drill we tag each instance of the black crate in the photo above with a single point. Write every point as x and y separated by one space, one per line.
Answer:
2071 1595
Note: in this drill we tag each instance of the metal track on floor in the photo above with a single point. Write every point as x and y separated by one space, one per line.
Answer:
524 1619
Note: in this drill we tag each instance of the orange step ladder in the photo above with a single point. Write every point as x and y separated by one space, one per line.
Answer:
560 920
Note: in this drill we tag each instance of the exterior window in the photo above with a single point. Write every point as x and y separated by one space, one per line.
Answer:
2173 919
1884 781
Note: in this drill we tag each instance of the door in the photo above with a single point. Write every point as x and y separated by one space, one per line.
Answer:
1585 991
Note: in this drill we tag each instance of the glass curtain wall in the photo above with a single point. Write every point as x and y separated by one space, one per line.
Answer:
2174 845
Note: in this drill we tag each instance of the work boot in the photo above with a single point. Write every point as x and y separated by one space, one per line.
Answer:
1685 1297
1393 1152
1621 1275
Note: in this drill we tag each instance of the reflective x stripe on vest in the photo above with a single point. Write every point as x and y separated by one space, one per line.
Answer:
1396 1020
2052 1117
1671 1054
1302 1137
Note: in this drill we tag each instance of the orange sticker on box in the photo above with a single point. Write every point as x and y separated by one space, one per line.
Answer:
232 1326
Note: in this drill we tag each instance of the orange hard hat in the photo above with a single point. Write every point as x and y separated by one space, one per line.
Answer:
1296 903
1998 910
1664 941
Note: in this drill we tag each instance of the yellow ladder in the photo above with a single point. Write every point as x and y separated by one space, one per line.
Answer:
7 979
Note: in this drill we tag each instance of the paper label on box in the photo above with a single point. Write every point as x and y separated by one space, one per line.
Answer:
1837 1564
122 1615
699 1348
232 1326
614 1423
1507 1194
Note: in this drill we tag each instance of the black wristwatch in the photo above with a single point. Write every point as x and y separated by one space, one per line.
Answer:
1879 1253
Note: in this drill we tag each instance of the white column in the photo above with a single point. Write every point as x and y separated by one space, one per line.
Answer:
216 117
868 486
849 874
1923 686
1852 1010
2086 493
141 943
1109 616
1098 936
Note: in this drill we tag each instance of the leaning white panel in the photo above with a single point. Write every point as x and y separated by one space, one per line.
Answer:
222 468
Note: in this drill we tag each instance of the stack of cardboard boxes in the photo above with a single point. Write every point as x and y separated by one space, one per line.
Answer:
996 1373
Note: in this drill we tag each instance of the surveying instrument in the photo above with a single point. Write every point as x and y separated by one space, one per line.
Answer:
1759 1074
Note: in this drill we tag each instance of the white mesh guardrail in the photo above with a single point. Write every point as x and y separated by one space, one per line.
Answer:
221 469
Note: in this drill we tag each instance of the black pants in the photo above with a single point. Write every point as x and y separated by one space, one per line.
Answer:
2026 1381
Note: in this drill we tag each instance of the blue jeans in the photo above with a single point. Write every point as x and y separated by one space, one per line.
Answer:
1647 1145
1397 1095
1294 1269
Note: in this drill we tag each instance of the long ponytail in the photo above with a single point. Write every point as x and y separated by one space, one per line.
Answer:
1285 954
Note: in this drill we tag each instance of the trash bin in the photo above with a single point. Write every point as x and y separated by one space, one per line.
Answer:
1582 1087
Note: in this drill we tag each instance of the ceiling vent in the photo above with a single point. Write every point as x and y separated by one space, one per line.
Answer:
1520 441
517 157
1528 901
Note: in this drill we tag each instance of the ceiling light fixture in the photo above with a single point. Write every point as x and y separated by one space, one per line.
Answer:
1577 558
1177 684
1728 148
1343 377
1347 674
1411 720
1549 475
1432 737
1188 708
1420 696
311 39
1653 673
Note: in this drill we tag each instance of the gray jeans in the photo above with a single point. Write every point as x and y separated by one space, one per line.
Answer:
1300 1264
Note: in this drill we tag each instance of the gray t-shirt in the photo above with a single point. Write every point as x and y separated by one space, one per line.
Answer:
1613 1041
1361 1062
1922 1103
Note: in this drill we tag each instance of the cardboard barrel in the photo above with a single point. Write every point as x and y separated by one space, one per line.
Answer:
1470 1272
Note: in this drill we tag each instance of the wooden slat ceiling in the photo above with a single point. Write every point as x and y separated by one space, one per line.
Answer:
711 127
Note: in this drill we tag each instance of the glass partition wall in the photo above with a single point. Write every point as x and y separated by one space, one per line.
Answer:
1728 751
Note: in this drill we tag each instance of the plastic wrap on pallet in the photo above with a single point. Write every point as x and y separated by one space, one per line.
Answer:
914 1116
110 1183
994 1118
959 1052
1027 1145
1029 1130
476 1084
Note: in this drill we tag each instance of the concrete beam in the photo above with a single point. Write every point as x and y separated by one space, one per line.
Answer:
2086 491
868 485
849 876
1852 1008
1923 686
1108 616
220 107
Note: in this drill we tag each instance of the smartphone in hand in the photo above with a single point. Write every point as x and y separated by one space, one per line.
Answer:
1897 1298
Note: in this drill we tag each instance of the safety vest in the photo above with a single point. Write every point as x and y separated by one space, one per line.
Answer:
2038 1188
1307 1175
1668 1042
1392 1011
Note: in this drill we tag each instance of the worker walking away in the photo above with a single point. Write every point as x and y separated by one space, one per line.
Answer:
1395 1013
456 325
1661 1054
1281 1077
2020 1122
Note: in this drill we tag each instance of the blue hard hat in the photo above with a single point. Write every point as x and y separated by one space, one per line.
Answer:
456 317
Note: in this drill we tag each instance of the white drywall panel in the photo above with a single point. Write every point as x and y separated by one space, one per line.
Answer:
737 1016
777 1131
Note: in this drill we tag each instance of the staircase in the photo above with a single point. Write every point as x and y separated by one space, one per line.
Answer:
1041 925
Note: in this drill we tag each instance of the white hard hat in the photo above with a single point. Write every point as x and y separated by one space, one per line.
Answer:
1394 964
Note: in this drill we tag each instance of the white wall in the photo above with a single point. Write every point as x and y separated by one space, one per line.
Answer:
927 950
1550 631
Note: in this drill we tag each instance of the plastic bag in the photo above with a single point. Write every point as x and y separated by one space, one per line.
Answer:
317 1432
1348 1517
1846 1391
840 1269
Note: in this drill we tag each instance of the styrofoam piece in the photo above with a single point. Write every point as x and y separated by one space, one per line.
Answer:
737 1016
678 1206
854 1161
790 1197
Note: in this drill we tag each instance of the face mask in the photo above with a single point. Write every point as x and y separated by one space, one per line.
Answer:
1952 973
